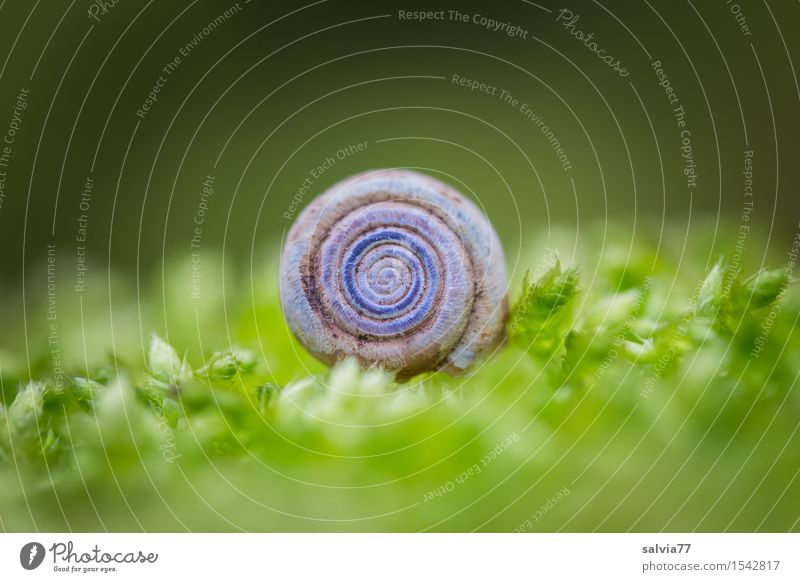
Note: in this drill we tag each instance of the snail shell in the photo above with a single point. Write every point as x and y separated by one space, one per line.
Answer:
398 270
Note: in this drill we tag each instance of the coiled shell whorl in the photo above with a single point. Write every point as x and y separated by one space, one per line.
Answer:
398 270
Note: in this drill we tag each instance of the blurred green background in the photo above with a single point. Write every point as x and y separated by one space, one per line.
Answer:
266 92
278 87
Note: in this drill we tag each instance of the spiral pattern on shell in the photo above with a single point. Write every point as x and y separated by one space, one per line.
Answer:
396 269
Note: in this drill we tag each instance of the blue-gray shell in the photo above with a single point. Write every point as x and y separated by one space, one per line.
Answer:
398 270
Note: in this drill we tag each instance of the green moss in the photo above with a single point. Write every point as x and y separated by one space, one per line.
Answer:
650 399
